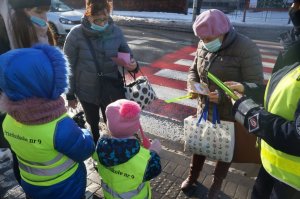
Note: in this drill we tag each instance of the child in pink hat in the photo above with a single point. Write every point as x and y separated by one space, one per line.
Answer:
124 165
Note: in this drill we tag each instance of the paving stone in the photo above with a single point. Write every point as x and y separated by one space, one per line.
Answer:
94 176
15 192
98 194
164 186
207 181
174 189
170 167
230 189
179 171
249 194
163 163
241 192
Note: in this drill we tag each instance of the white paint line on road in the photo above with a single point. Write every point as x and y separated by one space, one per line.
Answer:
164 93
143 63
137 41
267 76
267 43
172 74
262 51
278 47
268 64
184 62
193 54
273 57
161 40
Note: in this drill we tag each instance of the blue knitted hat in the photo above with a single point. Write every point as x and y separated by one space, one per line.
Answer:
40 71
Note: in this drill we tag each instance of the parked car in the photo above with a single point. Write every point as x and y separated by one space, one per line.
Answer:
62 18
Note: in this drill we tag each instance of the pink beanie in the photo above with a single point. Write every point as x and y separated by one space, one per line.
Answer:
211 23
123 118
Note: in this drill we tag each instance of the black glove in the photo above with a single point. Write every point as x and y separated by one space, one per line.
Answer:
246 112
79 119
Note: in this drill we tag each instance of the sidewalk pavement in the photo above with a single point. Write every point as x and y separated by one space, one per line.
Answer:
175 164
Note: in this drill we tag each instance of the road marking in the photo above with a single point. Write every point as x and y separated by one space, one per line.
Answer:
173 74
185 43
144 63
267 76
273 57
165 93
268 64
193 54
185 62
137 41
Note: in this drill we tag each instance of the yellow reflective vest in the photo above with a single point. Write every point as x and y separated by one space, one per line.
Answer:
40 164
126 180
281 98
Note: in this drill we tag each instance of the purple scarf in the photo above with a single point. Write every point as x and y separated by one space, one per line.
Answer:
34 110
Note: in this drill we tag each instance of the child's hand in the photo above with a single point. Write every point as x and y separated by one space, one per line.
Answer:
155 146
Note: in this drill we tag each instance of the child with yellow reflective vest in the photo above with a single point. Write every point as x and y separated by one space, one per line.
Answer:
125 166
49 146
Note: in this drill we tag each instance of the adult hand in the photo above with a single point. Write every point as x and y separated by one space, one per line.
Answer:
132 65
119 61
214 97
72 103
193 95
236 86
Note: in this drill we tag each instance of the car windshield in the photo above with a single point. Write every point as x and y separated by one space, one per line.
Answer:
58 6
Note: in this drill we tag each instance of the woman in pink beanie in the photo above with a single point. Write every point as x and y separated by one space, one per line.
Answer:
124 165
230 56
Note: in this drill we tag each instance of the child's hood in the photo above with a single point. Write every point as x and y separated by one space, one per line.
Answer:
113 151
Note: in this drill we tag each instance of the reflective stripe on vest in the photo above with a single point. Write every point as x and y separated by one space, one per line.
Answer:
126 195
126 180
283 102
39 162
47 172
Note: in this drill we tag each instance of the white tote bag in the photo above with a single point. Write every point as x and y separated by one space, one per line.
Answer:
211 139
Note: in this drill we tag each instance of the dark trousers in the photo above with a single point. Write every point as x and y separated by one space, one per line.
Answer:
92 116
267 187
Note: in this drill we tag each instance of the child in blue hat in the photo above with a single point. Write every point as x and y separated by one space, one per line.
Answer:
49 146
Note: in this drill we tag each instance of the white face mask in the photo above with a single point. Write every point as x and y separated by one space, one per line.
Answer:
213 46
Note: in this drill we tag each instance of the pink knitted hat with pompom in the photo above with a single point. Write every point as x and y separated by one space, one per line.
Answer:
123 118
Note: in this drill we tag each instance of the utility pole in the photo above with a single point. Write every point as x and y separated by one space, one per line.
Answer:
194 9
199 3
247 3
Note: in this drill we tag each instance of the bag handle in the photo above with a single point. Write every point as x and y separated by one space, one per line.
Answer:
204 113
216 116
132 74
